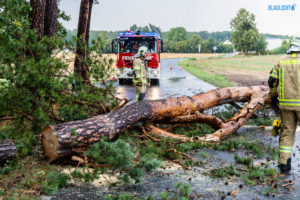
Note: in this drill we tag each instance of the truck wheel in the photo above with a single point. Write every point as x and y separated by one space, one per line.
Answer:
154 81
121 81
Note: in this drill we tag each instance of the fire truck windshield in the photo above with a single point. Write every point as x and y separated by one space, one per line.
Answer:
131 44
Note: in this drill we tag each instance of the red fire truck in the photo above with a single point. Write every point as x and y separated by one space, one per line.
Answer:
126 46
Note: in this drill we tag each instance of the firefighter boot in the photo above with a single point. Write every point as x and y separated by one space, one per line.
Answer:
141 96
284 168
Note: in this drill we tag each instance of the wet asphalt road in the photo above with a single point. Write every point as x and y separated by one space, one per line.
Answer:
173 83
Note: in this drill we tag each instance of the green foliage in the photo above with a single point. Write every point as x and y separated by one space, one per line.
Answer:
54 181
208 45
2 192
38 87
226 114
257 174
122 196
85 174
269 190
204 155
195 129
190 45
251 176
121 158
261 45
243 160
261 121
31 174
244 32
165 195
225 172
177 34
285 45
104 42
7 167
182 192
26 141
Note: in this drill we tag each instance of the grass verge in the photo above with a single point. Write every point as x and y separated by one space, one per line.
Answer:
214 79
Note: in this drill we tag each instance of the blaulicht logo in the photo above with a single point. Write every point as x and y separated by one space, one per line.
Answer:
283 7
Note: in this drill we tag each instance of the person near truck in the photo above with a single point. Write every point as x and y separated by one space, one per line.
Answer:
140 74
284 83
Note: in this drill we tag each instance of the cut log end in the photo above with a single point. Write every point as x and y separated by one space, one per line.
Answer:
51 146
7 150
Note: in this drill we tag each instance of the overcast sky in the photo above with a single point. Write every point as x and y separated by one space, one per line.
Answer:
194 15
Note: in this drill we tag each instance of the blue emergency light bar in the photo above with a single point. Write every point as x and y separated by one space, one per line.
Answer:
122 34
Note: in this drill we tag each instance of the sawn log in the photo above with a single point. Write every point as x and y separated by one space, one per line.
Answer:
64 139
7 150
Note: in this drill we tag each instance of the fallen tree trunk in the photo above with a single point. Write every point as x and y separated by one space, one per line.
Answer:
63 139
7 150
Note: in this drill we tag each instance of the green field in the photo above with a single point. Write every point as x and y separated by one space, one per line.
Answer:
225 72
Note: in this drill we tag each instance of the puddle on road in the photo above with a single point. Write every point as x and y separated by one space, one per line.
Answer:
176 79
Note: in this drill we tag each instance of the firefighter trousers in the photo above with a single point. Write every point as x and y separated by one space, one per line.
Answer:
289 121
139 90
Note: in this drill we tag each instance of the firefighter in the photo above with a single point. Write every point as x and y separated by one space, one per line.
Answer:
284 83
140 73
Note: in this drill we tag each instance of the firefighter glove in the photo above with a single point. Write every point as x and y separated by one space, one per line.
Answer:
275 103
276 128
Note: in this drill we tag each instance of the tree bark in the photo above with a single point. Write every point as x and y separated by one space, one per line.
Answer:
91 2
7 150
38 16
211 120
51 14
63 139
81 68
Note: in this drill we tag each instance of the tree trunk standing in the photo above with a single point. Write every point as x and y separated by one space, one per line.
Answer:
63 139
38 16
7 150
89 22
51 15
80 67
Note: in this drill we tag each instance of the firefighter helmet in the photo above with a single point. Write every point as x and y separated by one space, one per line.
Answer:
295 44
141 52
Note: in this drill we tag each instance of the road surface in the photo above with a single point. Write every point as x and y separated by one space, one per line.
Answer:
173 83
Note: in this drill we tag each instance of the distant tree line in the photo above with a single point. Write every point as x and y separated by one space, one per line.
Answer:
178 40
285 45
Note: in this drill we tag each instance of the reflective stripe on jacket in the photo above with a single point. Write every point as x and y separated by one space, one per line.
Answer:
287 84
